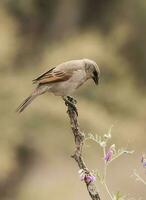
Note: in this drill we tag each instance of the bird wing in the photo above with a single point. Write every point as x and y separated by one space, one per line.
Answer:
52 76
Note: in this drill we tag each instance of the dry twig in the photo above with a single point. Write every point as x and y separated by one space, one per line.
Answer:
79 142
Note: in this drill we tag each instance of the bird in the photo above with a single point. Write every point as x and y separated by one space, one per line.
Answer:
63 80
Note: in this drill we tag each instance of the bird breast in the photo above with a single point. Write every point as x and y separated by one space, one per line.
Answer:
68 87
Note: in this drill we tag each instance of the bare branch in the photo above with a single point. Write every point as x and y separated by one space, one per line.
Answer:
79 142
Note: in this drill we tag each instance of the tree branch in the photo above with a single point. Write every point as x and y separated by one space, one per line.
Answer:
79 142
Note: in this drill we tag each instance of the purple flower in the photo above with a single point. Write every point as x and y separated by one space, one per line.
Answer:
109 153
86 177
89 178
143 160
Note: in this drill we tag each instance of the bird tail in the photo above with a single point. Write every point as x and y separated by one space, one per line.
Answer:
26 102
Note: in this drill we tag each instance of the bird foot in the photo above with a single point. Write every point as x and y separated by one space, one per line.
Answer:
70 101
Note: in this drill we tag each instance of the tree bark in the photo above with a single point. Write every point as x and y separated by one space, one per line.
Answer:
78 157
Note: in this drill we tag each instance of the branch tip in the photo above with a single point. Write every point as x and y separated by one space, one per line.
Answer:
79 138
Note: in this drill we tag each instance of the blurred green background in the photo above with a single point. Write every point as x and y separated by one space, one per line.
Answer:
35 147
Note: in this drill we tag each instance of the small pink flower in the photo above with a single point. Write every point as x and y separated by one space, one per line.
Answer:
90 178
143 160
86 177
109 153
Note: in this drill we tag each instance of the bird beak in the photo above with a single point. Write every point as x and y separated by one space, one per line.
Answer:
95 79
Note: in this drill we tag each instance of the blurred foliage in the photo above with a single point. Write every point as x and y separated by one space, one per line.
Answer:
39 23
35 147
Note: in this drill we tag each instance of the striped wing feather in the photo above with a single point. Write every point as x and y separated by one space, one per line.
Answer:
52 77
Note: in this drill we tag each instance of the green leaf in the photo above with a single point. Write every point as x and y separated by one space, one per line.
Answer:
118 196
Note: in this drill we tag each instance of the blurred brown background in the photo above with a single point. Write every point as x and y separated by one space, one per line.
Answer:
35 147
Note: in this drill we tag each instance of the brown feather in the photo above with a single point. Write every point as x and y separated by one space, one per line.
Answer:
25 103
52 77
42 75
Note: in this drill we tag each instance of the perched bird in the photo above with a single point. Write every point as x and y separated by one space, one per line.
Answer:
63 80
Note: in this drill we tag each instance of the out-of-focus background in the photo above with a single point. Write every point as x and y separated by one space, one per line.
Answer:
35 147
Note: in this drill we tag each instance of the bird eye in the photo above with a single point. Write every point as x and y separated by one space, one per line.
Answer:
95 73
95 77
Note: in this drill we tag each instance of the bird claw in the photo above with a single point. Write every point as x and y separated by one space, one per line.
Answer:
70 101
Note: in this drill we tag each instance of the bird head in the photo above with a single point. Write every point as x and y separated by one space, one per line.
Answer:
92 70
